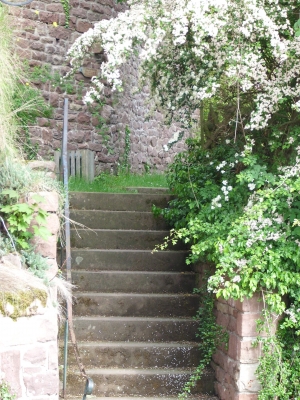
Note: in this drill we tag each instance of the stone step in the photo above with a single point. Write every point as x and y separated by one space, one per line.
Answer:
119 239
140 382
129 260
95 219
134 281
136 305
150 190
195 397
117 201
135 329
137 355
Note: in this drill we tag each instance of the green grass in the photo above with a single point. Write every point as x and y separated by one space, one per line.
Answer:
117 183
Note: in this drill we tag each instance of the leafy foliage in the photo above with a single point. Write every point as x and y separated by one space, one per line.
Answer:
279 368
211 336
5 391
25 220
28 104
124 164
36 263
241 214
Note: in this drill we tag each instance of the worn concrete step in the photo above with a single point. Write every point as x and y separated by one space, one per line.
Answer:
119 239
140 382
191 397
137 355
134 281
135 329
129 260
150 190
117 201
98 219
136 305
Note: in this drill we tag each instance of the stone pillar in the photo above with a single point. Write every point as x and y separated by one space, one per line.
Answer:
235 367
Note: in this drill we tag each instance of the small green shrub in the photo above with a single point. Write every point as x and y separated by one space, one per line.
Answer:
20 217
36 264
238 206
5 391
211 337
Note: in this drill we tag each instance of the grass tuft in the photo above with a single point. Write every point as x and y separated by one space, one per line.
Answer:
117 183
8 82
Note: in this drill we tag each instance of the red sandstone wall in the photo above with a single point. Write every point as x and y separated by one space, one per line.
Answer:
41 43
235 367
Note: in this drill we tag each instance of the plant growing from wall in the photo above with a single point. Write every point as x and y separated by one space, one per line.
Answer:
279 367
124 164
28 104
21 219
25 220
101 126
211 337
5 391
8 83
66 7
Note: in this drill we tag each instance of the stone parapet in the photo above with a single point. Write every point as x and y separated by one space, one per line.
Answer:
235 365
28 355
28 344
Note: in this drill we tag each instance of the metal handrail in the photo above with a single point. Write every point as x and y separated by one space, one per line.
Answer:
69 320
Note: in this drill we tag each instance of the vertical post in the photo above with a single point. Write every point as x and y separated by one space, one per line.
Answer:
78 164
66 182
91 165
72 161
84 164
57 159
67 230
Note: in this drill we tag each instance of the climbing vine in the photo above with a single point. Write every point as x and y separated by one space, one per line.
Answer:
66 7
124 165
210 334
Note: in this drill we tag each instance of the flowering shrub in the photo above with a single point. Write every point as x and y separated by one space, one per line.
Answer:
242 215
190 49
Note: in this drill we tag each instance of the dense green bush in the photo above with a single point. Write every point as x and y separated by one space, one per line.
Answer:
242 214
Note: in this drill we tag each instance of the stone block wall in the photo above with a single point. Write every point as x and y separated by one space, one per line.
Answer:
235 366
236 363
43 40
28 355
28 344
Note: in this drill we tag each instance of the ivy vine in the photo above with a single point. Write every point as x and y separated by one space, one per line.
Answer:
211 337
66 7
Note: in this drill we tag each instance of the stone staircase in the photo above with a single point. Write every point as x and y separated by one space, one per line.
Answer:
133 313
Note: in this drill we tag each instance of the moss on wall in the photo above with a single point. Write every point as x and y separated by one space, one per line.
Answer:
14 305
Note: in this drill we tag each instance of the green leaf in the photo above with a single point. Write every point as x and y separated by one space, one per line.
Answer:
13 194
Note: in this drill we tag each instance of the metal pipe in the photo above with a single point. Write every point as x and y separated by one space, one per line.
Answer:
69 322
66 186
64 162
65 357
